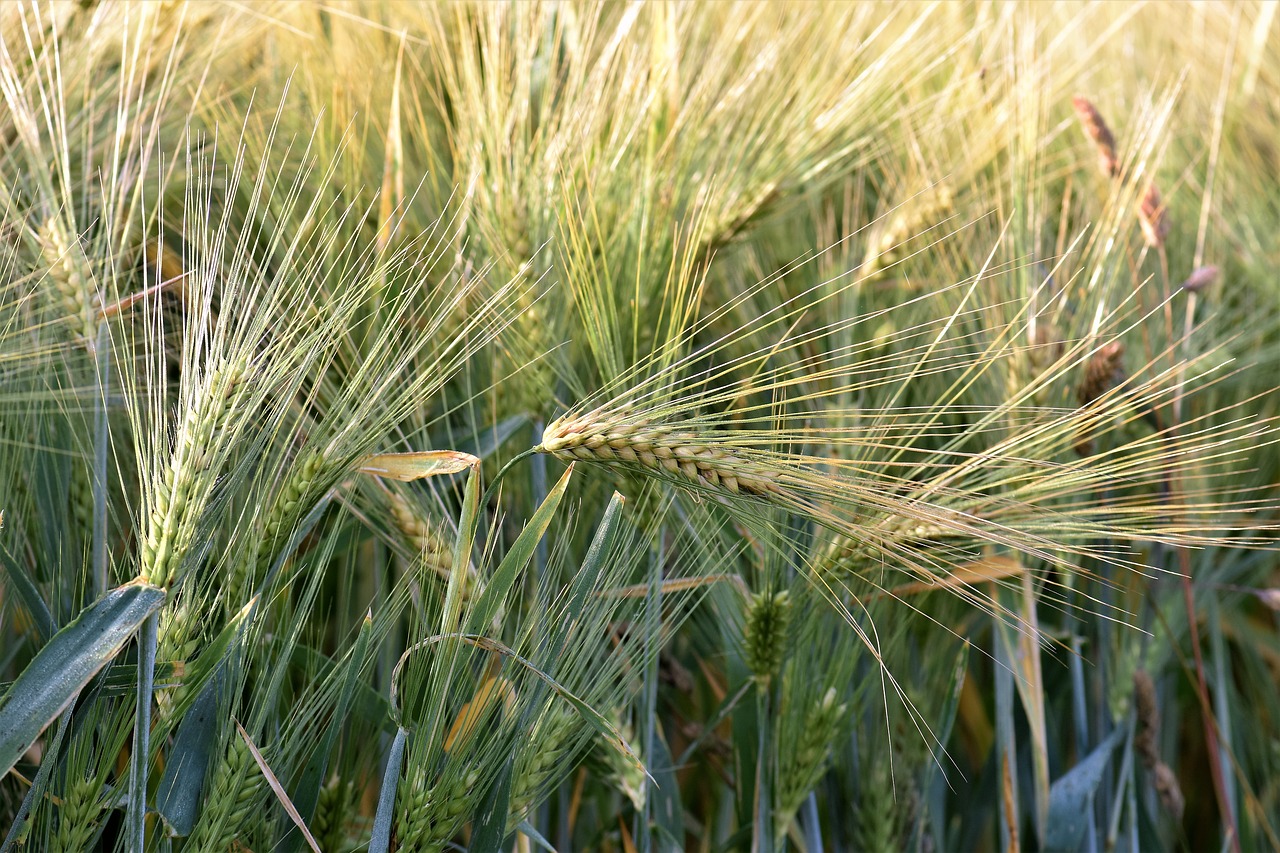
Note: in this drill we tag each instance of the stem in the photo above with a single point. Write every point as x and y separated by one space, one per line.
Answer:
141 759
101 438
493 487
1188 593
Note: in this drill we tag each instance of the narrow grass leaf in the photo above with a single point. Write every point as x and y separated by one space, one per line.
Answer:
491 691
20 824
526 829
369 705
384 818
592 565
491 817
1031 690
416 465
468 523
22 584
101 442
277 788
140 761
517 557
1070 797
182 785
308 791
950 711
66 663
986 569
668 809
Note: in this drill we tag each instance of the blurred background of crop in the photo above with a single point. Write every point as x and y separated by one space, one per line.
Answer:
915 362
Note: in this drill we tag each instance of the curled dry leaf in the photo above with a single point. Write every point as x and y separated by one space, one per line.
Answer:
416 465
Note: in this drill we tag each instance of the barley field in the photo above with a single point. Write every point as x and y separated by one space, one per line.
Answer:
639 426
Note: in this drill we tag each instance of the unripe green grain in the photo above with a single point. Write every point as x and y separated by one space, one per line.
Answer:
423 536
429 817
77 818
764 634
235 794
803 763
333 810
179 498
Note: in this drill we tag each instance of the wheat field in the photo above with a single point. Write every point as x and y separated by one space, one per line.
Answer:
600 426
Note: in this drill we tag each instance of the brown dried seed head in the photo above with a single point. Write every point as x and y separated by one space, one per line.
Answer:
1095 128
1200 278
1169 791
1104 371
1148 714
1153 218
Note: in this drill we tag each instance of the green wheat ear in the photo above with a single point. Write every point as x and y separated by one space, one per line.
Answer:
764 634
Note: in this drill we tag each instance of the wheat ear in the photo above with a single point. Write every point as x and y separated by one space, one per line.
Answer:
614 438
181 493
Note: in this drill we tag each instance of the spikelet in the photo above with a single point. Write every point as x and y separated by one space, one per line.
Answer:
876 815
1152 217
291 499
1032 361
176 643
1096 130
78 817
539 764
844 555
914 217
234 795
1104 371
1201 278
333 810
179 497
614 438
69 274
421 534
626 776
804 763
291 502
764 634
429 817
